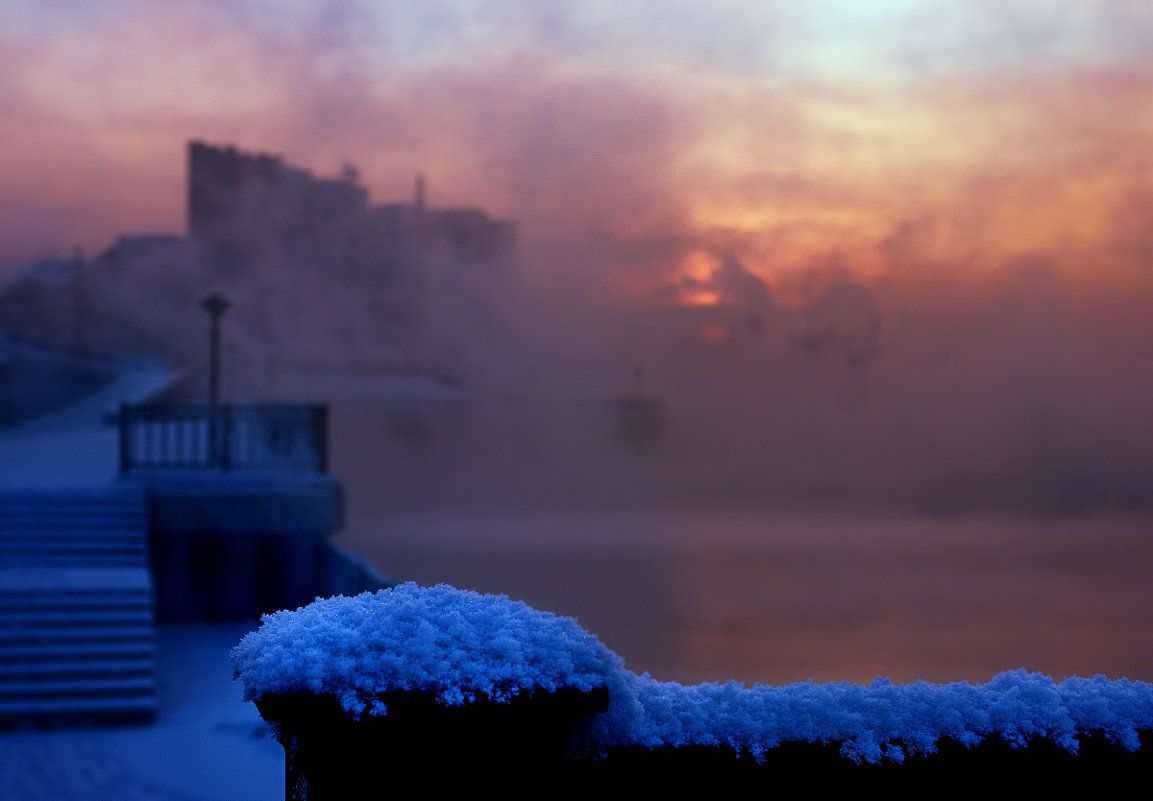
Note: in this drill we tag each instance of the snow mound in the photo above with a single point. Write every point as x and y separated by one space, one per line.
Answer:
885 721
458 645
450 643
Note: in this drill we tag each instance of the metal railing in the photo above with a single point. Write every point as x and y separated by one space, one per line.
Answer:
269 437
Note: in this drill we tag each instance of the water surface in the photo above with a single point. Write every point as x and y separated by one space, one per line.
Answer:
692 595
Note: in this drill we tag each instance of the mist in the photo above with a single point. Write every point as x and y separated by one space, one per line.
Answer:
1021 394
888 262
990 352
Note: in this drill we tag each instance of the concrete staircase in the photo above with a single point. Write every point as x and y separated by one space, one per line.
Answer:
77 634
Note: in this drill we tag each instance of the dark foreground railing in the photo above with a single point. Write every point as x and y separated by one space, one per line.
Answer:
258 436
509 746
473 695
522 747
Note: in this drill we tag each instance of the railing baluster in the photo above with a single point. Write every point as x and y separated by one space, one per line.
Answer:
320 434
270 437
225 435
150 446
203 445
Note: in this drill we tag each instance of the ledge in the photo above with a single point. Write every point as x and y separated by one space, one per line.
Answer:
525 743
242 503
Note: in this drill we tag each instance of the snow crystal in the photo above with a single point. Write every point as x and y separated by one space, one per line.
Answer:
887 721
457 645
452 644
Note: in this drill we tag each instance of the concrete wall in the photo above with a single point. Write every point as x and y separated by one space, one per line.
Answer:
230 547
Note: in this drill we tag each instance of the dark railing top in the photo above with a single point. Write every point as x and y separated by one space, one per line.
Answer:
266 437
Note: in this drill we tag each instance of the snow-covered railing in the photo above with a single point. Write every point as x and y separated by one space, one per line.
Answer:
255 436
418 679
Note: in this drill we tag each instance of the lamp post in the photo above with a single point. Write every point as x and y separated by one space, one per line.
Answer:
216 305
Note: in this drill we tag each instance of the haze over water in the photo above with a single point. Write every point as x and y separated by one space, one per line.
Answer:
693 592
887 267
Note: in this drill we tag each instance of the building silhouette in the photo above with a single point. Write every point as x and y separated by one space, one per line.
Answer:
318 275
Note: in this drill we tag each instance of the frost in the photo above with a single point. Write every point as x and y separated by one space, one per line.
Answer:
458 645
885 721
452 644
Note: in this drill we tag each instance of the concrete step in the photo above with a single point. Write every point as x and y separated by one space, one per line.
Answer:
117 708
48 670
111 633
130 561
76 609
111 494
46 548
63 602
69 503
61 526
72 530
82 686
58 510
37 584
49 550
64 525
15 621
14 653
13 546
49 523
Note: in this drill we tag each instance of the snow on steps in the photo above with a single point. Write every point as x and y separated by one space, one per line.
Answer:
76 611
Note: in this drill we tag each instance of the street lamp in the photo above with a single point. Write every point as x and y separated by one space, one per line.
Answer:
216 305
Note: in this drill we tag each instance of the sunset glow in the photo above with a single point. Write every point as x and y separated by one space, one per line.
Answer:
698 279
862 139
778 339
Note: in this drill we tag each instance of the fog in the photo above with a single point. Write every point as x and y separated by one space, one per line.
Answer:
885 263
927 256
773 341
591 367
1018 394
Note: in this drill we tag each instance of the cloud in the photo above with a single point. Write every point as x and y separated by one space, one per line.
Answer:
584 121
991 216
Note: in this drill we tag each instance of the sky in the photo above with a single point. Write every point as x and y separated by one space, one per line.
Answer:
922 148
806 139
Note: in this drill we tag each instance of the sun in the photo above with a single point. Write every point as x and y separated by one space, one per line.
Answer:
699 279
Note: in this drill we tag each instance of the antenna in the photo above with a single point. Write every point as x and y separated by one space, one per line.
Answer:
418 198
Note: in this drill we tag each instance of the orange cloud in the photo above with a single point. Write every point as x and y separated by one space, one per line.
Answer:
949 170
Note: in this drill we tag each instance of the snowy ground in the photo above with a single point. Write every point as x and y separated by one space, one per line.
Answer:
1031 594
77 445
207 744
